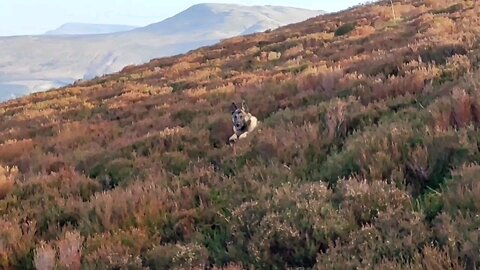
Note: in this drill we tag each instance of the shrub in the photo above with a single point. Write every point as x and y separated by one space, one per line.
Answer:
395 235
436 258
462 108
366 200
140 204
175 162
177 256
8 178
320 79
185 116
13 149
431 204
363 31
44 257
43 199
117 172
345 29
459 196
120 249
455 228
219 132
17 244
289 228
450 9
70 251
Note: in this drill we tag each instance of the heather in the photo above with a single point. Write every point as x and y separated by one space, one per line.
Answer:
366 157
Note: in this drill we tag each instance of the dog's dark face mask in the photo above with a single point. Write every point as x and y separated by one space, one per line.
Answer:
240 116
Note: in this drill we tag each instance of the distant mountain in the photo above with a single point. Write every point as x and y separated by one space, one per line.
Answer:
88 29
36 63
229 19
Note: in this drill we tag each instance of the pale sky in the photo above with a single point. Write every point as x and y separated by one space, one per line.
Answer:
29 17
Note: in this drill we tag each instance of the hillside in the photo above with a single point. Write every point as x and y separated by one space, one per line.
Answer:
88 29
38 63
366 157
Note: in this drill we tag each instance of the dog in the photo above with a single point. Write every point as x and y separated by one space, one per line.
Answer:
243 122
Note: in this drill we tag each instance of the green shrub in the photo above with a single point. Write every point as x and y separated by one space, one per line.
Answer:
215 238
289 228
431 204
456 227
185 116
175 162
345 29
388 229
180 86
117 172
450 9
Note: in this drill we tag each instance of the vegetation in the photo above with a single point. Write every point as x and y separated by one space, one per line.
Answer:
367 155
344 29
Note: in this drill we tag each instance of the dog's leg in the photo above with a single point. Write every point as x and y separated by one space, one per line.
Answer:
243 135
233 139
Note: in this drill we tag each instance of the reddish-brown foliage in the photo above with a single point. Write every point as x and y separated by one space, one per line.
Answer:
359 160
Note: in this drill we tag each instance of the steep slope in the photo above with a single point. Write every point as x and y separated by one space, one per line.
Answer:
88 29
366 156
38 62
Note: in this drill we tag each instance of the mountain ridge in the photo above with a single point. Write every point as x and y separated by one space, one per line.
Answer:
88 29
199 12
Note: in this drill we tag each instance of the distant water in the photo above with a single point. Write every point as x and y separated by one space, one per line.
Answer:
11 91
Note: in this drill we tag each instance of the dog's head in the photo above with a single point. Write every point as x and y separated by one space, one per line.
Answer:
240 116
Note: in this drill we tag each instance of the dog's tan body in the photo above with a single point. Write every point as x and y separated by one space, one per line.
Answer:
243 122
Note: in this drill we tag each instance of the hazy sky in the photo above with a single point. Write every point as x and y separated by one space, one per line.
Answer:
22 17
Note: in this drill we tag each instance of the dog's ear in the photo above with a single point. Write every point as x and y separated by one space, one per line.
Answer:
244 106
233 107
